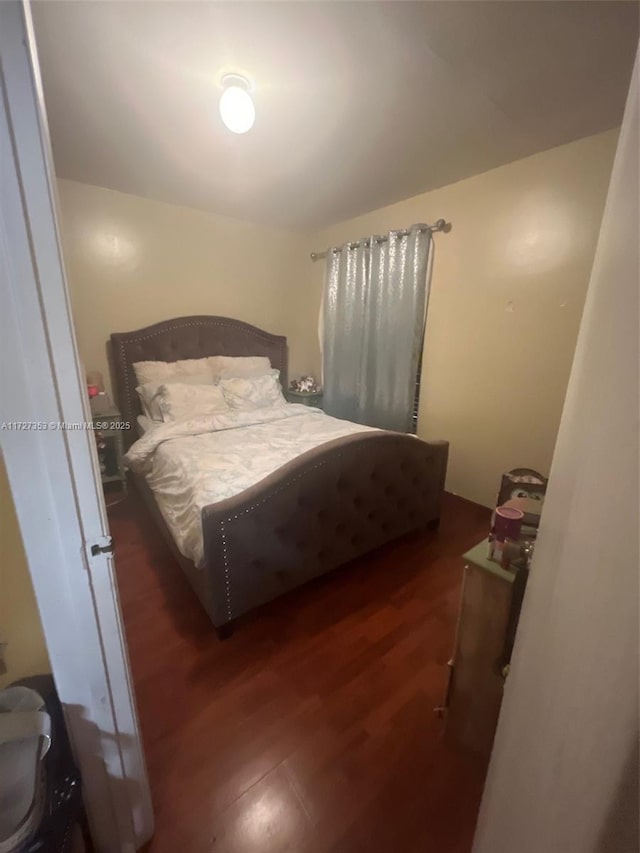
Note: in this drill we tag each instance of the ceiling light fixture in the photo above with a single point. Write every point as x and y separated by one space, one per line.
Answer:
237 109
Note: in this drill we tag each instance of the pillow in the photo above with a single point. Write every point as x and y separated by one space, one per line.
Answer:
148 392
258 392
228 366
177 400
163 371
144 423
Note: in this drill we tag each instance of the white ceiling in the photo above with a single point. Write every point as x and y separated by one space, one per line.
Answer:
358 104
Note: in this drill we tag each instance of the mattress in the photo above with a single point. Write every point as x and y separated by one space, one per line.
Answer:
195 462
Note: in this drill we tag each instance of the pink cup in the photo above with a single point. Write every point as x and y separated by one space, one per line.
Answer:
507 523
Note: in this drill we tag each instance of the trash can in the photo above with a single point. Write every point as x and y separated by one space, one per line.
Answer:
41 807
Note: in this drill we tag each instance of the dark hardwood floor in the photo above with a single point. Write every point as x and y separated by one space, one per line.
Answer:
312 729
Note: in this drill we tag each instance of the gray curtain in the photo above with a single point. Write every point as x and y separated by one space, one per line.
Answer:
374 308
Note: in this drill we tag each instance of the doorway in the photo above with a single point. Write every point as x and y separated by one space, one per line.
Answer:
51 464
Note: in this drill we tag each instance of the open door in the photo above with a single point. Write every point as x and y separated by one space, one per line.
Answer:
51 462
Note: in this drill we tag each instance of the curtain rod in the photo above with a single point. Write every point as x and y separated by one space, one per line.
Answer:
440 225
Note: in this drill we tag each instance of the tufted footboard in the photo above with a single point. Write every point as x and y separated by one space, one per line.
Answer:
319 511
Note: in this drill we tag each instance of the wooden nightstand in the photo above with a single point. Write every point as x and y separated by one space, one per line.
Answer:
489 610
109 431
307 398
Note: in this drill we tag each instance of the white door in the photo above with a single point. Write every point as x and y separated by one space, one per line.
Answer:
53 471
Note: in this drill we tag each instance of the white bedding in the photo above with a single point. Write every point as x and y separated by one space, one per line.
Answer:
144 422
194 462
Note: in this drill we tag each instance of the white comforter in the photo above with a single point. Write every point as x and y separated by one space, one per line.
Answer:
194 462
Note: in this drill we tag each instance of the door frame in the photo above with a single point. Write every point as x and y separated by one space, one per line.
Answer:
53 472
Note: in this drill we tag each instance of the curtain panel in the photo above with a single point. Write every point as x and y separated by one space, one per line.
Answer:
375 303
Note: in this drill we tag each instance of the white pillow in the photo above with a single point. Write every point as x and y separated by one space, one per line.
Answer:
178 401
149 391
229 366
145 423
258 392
163 371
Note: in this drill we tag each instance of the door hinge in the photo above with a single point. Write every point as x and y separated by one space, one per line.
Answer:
103 546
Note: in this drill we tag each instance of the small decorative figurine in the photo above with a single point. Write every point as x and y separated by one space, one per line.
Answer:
522 483
305 385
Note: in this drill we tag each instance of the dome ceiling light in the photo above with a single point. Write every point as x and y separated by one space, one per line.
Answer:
237 109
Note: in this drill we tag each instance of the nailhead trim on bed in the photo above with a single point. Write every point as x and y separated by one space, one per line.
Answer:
225 551
385 483
257 544
227 581
137 338
228 337
278 490
234 333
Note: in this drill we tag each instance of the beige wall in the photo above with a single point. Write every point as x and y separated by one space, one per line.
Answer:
131 261
20 626
507 294
508 288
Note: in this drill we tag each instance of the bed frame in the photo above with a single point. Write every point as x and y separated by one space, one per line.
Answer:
320 510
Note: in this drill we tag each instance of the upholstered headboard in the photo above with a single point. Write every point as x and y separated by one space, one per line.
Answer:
186 337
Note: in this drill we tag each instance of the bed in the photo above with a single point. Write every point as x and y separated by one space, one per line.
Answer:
320 509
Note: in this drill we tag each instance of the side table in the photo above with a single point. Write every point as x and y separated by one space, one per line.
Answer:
306 398
109 431
487 620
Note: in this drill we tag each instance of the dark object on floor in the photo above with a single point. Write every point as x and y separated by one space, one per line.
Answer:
64 809
225 631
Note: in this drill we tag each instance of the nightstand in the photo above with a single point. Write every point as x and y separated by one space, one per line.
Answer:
109 428
306 398
487 620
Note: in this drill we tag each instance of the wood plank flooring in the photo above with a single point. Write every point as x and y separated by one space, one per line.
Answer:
312 729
